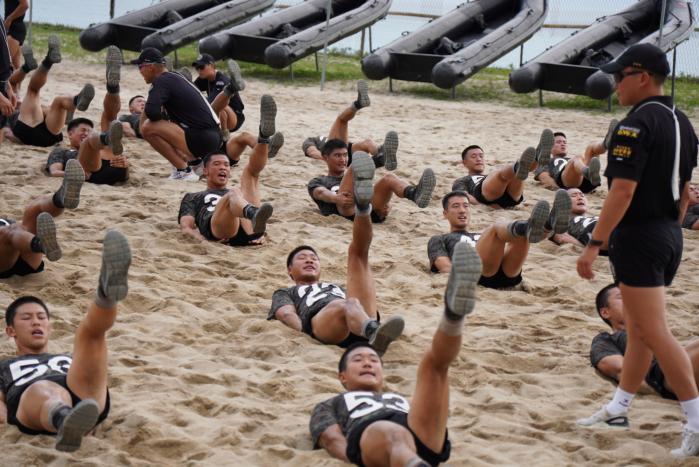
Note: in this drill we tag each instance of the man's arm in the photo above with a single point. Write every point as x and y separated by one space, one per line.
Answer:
56 169
189 227
323 194
333 441
22 8
287 315
560 239
684 202
442 264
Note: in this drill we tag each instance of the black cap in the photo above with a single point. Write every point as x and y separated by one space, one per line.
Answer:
203 59
149 55
644 56
77 121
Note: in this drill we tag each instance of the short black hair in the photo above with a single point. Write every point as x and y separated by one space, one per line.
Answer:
342 364
207 158
468 148
332 144
134 98
560 133
602 301
23 300
450 195
293 253
79 121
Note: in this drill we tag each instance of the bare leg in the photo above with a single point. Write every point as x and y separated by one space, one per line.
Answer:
228 213
502 180
498 248
645 308
16 241
89 154
572 176
338 319
13 45
30 112
360 281
385 188
340 127
36 404
368 146
168 139
237 144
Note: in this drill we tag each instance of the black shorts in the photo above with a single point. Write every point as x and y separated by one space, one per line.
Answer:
585 186
18 31
202 142
12 409
376 218
500 280
307 328
108 175
646 255
656 379
354 452
240 119
241 238
21 268
505 201
36 136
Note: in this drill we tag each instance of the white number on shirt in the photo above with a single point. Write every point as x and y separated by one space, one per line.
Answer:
212 200
318 293
389 400
469 240
26 370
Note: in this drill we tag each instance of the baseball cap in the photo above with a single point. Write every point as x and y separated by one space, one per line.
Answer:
149 55
644 56
80 120
203 59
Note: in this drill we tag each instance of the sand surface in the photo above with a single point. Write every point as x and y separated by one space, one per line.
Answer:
199 377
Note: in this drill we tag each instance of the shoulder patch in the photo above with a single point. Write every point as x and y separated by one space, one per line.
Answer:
628 131
622 151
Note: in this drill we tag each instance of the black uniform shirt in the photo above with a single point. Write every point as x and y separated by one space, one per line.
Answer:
642 149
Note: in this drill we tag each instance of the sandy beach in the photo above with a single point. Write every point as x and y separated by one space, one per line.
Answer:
199 377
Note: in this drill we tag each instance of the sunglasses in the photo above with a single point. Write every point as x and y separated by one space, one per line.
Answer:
143 65
199 67
620 75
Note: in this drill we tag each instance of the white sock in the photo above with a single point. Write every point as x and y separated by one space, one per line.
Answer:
691 411
620 403
451 327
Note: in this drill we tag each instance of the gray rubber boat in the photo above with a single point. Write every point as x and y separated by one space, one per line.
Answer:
453 47
572 66
170 24
281 38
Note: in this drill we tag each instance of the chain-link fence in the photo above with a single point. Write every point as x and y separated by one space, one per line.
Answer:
404 16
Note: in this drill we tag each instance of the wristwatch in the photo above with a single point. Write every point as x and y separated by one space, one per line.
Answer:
594 242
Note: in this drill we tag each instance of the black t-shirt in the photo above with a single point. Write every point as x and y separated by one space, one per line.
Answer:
605 344
443 245
691 217
62 155
133 119
200 205
183 102
354 409
642 149
18 373
307 299
581 227
331 183
467 183
10 6
215 87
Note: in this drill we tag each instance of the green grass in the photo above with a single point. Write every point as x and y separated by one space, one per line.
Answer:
488 85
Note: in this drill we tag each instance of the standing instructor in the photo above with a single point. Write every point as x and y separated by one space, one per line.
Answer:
650 159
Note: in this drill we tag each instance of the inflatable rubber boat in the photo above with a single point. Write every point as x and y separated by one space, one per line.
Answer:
282 37
572 66
451 48
170 24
